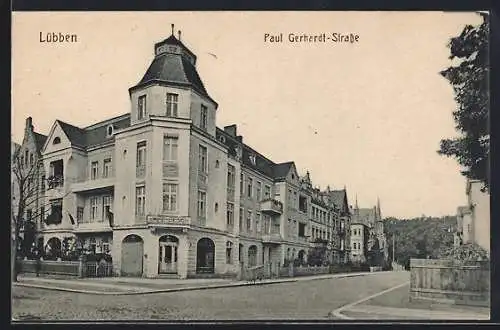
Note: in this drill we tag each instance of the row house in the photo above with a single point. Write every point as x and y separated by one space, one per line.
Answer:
166 192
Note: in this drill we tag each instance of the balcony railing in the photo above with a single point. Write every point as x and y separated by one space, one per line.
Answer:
271 206
202 178
98 183
55 181
168 221
230 194
272 238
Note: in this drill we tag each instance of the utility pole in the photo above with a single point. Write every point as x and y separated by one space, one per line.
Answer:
393 247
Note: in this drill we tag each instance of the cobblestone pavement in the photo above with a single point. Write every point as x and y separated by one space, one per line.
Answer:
285 301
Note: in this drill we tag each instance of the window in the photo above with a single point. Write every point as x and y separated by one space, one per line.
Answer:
241 184
170 147
241 218
303 203
302 230
203 117
31 159
56 140
217 163
94 170
231 176
141 107
42 183
92 244
258 222
107 203
267 191
79 214
94 207
42 213
141 159
249 220
140 200
105 245
141 154
169 197
110 130
172 100
229 252
259 191
203 159
106 169
249 187
230 214
202 202
29 214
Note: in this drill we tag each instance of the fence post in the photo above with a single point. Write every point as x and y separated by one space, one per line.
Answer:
240 273
81 266
290 269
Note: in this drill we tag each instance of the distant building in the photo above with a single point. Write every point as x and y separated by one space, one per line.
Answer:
367 230
473 219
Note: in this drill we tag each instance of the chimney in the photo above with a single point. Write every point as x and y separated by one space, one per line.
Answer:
29 124
179 34
231 130
239 138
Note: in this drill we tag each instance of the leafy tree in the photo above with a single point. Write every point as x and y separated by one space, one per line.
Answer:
469 78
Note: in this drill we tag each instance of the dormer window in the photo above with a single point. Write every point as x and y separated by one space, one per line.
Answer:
109 130
253 159
141 107
172 100
56 140
222 139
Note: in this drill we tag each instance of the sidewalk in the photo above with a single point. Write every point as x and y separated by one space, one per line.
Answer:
394 304
128 286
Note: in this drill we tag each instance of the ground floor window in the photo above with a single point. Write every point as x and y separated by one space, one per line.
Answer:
229 253
205 256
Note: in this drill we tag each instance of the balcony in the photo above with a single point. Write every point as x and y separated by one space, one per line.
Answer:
168 221
91 185
93 227
271 207
272 238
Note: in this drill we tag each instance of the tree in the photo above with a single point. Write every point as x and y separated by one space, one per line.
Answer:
469 79
26 201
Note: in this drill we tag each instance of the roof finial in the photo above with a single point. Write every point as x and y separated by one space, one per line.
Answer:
356 206
172 25
179 34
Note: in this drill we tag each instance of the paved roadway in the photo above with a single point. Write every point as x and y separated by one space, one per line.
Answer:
303 300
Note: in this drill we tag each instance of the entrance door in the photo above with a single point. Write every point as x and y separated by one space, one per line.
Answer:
132 254
168 257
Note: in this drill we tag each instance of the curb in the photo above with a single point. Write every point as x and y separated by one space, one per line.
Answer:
193 288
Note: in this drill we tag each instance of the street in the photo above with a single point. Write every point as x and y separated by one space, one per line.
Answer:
311 300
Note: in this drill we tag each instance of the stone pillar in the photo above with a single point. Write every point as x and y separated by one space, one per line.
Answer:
183 256
81 266
290 269
150 260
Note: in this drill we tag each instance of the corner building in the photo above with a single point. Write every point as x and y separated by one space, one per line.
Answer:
165 191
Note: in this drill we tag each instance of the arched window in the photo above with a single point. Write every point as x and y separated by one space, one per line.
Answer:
56 140
205 256
252 256
229 252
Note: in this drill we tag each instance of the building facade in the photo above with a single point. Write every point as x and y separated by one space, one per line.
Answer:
473 220
368 236
166 192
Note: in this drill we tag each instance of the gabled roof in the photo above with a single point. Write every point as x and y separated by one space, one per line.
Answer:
76 135
281 170
339 199
95 134
39 140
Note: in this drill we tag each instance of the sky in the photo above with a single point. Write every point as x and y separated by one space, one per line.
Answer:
368 115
